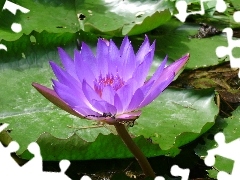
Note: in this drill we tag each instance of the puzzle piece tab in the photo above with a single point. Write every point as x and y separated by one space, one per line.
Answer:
32 169
228 150
12 7
177 171
236 16
16 27
182 9
222 51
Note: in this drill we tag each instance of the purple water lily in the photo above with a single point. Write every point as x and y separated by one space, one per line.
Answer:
110 86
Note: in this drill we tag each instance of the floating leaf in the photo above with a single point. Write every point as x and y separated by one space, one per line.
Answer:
229 126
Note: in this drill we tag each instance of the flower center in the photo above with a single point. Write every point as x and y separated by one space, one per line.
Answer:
115 82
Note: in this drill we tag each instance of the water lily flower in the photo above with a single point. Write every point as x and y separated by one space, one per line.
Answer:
110 86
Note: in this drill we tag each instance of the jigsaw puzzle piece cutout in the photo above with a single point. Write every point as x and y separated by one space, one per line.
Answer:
34 165
227 150
223 176
159 178
3 126
221 6
2 46
181 6
88 178
9 168
12 7
177 171
222 51
236 16
7 162
16 27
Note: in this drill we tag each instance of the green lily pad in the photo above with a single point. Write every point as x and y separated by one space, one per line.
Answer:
177 117
62 135
229 126
53 16
121 18
174 39
58 16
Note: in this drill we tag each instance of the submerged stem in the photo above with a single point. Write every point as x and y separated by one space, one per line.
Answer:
142 160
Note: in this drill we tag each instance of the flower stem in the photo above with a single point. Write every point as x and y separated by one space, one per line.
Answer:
142 160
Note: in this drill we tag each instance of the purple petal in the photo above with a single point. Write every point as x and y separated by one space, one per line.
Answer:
86 112
67 62
133 83
84 68
102 57
143 50
104 107
129 116
108 94
115 62
55 99
178 65
64 77
89 92
142 70
165 78
125 94
154 93
136 100
146 88
67 94
158 72
129 62
124 46
152 48
171 69
118 104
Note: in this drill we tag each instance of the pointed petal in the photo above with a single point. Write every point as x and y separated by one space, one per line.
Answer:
69 95
89 92
86 112
104 107
143 50
142 70
64 77
68 80
165 78
146 88
85 68
178 65
67 62
54 98
125 95
118 104
158 72
115 62
136 100
129 62
108 94
171 69
124 45
102 58
155 92
88 56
